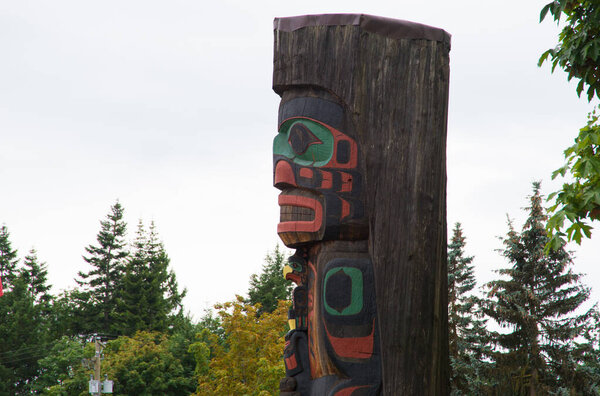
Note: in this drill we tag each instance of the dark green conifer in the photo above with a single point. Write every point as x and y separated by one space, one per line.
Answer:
8 259
468 338
269 286
546 347
24 326
101 284
149 295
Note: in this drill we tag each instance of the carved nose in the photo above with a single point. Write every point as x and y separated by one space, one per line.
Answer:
284 175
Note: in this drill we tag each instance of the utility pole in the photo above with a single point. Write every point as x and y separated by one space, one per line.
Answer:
96 387
97 363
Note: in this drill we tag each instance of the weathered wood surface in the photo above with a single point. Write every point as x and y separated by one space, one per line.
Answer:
396 92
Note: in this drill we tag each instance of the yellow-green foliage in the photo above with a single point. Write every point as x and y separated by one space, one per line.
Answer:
248 359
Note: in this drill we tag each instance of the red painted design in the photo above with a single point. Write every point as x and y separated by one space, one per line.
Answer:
290 362
349 391
327 181
284 174
353 347
293 277
346 182
301 226
337 137
306 172
345 208
309 321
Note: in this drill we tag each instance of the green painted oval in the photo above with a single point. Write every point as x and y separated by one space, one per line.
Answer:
316 155
356 301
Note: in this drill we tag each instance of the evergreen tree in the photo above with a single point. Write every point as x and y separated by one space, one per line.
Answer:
269 287
149 295
35 275
549 344
24 327
102 283
8 259
469 339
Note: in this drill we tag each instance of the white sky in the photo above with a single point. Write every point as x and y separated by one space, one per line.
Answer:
168 107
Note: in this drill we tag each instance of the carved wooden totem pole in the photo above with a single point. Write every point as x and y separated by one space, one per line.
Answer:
360 159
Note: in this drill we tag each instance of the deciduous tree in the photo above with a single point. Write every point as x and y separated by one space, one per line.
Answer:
144 365
578 54
249 362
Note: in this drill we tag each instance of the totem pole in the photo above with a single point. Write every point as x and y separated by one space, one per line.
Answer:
360 161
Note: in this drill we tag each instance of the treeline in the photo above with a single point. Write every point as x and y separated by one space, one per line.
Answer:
128 297
530 331
543 336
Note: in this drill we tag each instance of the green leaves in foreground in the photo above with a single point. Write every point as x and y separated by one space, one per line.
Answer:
578 48
579 200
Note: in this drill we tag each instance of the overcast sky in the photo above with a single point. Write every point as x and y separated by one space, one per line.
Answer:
167 106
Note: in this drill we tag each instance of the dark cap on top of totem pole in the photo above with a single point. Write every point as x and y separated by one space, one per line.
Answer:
389 27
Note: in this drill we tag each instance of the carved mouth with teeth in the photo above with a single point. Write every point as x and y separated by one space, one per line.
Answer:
295 213
300 217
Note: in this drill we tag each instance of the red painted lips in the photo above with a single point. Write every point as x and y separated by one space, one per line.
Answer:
301 225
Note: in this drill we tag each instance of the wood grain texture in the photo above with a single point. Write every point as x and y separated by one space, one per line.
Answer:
396 91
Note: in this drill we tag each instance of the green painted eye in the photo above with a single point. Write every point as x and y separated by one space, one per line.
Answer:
343 291
304 141
295 266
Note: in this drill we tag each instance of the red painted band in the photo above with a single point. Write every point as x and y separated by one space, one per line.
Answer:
349 391
345 208
290 362
306 173
353 347
346 182
327 181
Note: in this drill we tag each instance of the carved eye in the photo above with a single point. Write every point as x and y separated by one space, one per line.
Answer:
301 138
343 291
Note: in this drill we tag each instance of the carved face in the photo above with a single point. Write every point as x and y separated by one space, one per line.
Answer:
316 168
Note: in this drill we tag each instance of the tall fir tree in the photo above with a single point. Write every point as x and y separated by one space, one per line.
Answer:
468 337
149 296
35 274
101 284
549 345
268 287
24 327
8 259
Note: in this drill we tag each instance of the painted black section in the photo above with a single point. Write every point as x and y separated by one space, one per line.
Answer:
300 303
361 323
331 196
322 110
298 346
343 152
364 390
338 291
323 385
365 371
301 138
